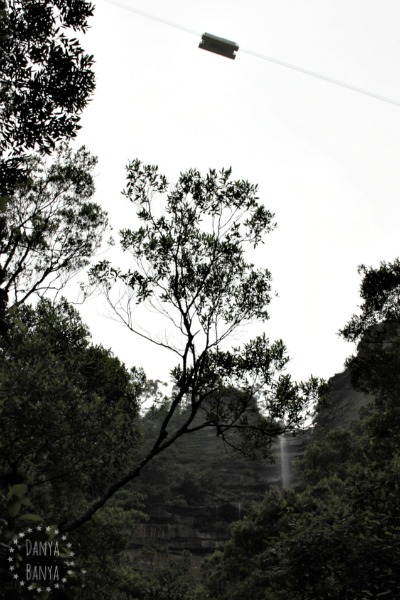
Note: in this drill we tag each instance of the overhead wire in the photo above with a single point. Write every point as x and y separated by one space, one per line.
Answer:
349 86
153 17
270 59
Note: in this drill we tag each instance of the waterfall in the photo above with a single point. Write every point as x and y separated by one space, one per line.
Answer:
284 461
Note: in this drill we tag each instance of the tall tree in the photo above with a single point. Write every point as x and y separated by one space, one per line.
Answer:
69 420
189 264
45 82
68 409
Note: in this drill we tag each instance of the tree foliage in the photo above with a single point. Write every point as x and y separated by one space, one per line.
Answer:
52 227
338 539
68 410
45 81
45 78
69 416
376 366
189 258
380 292
163 576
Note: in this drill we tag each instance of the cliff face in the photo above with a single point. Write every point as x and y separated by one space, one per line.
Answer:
201 487
341 407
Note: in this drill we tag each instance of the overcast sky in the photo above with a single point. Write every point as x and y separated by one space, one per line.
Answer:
326 159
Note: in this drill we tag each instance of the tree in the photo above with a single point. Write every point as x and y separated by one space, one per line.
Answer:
69 417
379 290
165 576
46 78
45 81
375 369
52 226
68 409
190 266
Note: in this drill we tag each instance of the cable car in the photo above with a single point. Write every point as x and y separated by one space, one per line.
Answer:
218 45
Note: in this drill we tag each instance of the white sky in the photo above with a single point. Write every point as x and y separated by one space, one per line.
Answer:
326 159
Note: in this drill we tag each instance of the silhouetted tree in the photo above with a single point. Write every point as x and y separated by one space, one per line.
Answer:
68 409
45 78
45 81
52 226
189 264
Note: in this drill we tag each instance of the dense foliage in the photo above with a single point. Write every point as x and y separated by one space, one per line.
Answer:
45 81
52 226
339 538
69 419
46 78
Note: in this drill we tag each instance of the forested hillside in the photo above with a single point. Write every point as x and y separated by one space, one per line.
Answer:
340 536
194 492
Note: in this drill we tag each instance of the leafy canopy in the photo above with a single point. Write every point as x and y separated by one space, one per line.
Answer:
45 81
52 227
380 291
189 252
68 410
46 77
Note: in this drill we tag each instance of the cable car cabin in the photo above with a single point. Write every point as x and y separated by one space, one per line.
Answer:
218 45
